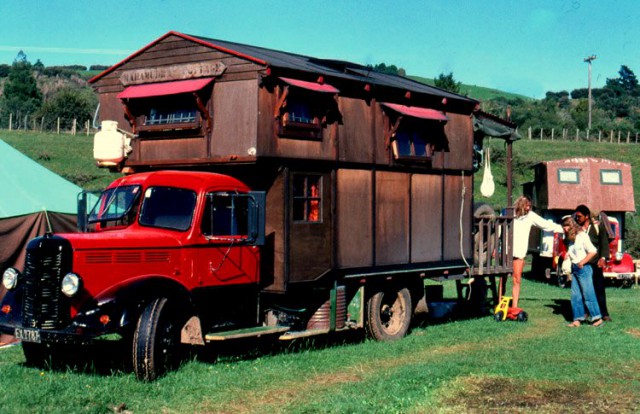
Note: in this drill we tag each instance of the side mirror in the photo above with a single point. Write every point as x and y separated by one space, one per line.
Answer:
257 203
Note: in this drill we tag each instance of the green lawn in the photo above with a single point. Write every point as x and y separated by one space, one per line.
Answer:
459 365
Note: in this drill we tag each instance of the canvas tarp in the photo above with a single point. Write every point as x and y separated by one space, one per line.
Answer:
33 200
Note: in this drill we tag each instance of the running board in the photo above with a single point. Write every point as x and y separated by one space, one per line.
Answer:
303 334
246 333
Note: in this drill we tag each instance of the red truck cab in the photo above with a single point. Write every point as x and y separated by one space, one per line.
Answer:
160 242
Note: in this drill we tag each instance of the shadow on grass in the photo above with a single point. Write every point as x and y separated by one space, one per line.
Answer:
562 307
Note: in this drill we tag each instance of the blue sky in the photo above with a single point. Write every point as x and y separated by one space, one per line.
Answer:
527 47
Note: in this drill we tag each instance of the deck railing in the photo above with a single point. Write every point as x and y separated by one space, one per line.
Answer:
492 247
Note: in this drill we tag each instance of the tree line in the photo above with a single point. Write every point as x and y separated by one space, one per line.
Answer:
33 91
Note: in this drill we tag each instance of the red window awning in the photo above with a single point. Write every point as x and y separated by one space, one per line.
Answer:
312 86
164 88
417 112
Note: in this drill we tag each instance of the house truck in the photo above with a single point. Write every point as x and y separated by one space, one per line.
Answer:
261 193
558 188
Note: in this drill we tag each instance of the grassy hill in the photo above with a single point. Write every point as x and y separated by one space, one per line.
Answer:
476 92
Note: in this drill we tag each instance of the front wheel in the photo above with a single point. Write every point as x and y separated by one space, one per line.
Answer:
156 340
389 314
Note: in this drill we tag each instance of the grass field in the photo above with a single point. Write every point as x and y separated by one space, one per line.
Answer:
458 365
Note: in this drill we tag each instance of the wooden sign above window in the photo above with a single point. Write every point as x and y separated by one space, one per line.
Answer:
172 73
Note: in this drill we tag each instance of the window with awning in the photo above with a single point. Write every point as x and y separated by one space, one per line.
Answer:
304 108
414 133
166 106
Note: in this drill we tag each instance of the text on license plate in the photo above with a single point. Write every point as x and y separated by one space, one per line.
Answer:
28 335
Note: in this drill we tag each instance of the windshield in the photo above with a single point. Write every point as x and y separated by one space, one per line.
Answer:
115 204
168 208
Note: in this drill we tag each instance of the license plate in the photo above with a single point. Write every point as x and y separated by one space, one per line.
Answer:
28 335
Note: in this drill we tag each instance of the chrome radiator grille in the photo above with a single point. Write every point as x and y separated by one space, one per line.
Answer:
44 306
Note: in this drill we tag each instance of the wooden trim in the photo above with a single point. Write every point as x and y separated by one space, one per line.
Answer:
203 110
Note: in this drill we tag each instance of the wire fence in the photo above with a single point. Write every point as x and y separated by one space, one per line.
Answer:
28 123
565 134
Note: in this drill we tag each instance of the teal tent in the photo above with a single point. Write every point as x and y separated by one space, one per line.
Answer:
33 200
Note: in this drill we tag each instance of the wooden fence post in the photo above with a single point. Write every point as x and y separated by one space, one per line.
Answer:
58 126
628 136
42 124
10 121
73 127
611 137
87 124
540 134
529 132
618 136
577 133
26 121
600 136
552 129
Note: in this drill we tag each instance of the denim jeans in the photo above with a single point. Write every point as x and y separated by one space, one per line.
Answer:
582 293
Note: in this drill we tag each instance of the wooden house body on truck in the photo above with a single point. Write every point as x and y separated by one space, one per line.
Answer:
560 186
367 181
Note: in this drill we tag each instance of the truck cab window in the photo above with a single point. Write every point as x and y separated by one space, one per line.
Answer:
168 207
116 207
225 214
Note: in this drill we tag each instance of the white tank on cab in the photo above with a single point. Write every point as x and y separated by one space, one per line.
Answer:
110 146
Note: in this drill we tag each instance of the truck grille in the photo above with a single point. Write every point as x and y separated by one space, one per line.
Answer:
44 306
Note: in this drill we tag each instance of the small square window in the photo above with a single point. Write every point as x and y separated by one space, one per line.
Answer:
411 142
307 198
611 177
569 175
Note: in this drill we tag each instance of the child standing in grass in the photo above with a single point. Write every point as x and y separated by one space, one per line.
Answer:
580 251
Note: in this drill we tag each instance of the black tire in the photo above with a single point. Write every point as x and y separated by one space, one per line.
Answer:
563 281
498 316
156 340
389 313
523 317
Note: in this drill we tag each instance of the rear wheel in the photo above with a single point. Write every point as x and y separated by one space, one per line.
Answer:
498 316
156 340
389 314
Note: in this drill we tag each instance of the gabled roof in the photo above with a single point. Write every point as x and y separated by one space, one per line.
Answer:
284 60
27 187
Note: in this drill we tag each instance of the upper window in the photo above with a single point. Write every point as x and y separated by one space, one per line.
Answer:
569 175
411 141
307 198
177 112
611 177
304 108
168 207
414 132
167 106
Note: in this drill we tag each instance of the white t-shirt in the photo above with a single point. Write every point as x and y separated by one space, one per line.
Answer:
579 249
522 227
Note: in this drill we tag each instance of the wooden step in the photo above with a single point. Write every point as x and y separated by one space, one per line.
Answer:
255 331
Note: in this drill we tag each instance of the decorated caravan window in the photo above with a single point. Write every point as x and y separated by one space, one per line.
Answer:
611 177
414 132
412 141
569 175
167 106
307 198
177 113
305 108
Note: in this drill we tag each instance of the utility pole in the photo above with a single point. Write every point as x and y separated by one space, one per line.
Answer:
589 59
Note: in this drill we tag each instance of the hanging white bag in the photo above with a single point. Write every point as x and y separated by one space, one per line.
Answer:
488 186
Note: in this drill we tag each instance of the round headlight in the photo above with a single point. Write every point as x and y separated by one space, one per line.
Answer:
10 278
70 284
